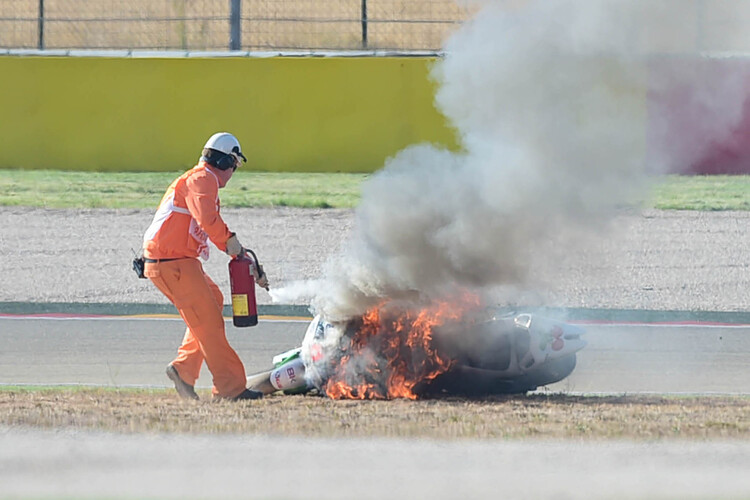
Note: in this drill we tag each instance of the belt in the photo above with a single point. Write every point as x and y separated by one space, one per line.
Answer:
156 261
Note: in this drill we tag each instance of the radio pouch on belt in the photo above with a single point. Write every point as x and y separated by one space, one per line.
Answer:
139 266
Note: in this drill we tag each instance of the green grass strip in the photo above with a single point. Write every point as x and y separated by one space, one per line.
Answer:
82 388
704 193
143 190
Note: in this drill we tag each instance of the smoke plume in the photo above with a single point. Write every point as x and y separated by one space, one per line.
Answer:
549 101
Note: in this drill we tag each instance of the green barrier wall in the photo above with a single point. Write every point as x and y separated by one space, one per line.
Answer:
290 114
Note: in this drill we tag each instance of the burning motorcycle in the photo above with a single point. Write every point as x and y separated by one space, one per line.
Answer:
395 353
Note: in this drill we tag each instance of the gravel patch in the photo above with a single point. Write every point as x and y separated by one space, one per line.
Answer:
650 260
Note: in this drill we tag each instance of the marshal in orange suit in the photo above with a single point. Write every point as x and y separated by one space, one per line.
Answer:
188 216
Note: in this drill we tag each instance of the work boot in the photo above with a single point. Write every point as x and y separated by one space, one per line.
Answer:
185 390
248 394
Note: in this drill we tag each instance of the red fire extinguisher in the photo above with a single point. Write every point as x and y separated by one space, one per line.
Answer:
242 283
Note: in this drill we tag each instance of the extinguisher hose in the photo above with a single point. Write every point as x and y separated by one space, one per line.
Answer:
257 264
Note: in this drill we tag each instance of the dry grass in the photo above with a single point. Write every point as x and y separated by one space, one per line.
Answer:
533 416
203 24
713 25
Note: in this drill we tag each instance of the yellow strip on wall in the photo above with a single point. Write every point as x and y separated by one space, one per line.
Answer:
290 114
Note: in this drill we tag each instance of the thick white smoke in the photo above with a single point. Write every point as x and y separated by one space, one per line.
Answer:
549 100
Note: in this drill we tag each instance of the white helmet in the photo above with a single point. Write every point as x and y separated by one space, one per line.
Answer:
226 143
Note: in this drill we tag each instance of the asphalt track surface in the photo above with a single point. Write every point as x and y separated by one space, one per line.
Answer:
118 352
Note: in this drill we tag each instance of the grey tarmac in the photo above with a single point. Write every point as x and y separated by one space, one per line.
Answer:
121 352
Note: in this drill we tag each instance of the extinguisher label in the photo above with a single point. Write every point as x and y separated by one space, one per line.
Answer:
240 306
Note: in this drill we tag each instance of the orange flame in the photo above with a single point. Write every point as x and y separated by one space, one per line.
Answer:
391 350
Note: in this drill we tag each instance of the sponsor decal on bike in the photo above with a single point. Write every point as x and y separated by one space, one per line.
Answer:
292 376
553 338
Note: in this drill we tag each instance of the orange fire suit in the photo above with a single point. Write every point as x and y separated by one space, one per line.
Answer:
187 217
